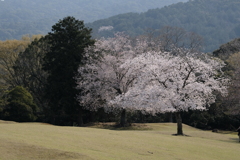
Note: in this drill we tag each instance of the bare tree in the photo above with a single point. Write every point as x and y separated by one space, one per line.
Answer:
9 52
174 37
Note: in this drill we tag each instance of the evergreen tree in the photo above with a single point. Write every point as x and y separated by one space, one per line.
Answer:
20 107
68 40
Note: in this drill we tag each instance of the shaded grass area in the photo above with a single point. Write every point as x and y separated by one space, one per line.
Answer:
27 141
115 126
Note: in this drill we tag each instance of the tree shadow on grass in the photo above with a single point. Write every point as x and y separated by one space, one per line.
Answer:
184 135
116 126
234 140
231 140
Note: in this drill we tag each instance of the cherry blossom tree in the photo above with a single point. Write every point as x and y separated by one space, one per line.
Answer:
170 83
103 78
175 37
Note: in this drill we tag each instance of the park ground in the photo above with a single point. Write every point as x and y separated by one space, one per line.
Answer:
27 141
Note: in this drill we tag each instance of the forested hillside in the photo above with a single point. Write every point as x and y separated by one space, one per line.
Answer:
217 21
20 17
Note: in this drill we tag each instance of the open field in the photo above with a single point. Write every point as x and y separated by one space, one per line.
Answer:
28 141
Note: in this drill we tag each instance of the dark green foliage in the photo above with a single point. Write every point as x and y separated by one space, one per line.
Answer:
20 106
29 72
139 117
68 40
211 120
217 21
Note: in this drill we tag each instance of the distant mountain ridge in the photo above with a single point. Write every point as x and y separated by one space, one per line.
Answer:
19 17
217 21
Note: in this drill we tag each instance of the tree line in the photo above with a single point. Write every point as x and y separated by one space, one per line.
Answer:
69 78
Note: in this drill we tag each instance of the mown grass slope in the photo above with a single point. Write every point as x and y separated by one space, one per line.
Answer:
27 141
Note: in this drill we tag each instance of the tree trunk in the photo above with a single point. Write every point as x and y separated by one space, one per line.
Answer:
80 119
123 118
53 120
179 123
170 117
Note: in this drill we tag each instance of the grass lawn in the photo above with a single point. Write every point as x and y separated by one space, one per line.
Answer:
28 141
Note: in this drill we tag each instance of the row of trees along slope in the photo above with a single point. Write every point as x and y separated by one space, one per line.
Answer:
120 74
217 21
36 17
